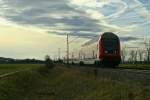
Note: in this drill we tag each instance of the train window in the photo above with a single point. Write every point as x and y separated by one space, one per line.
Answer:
110 44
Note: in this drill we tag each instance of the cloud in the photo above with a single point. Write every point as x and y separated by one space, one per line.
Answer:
48 14
129 38
122 39
88 16
80 34
92 10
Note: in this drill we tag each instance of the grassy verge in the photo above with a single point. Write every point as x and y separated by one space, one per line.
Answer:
61 83
135 66
20 86
6 68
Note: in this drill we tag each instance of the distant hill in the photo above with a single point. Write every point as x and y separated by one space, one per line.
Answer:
4 60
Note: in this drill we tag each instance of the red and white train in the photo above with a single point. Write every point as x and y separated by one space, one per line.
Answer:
105 52
109 49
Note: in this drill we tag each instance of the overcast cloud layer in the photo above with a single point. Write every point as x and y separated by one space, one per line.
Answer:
80 16
130 19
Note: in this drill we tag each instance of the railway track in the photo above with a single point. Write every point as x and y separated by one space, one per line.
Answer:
117 74
139 70
107 67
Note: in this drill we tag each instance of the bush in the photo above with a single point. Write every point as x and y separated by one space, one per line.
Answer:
48 62
81 63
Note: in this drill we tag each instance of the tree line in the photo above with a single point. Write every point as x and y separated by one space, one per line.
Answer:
20 61
136 54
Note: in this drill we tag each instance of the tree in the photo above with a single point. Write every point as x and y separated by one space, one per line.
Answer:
132 56
148 54
140 54
135 56
123 55
147 45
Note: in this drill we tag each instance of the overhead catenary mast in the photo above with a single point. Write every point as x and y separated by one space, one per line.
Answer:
67 49
59 54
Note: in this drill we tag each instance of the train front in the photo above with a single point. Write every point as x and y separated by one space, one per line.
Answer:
109 49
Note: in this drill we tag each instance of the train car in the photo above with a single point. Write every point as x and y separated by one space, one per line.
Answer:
105 53
109 49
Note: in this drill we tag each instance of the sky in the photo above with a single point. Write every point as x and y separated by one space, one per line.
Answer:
35 28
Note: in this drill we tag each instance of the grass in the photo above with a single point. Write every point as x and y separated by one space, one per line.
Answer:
135 66
62 83
6 68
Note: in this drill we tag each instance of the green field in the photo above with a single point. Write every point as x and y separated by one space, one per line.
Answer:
135 66
7 68
65 83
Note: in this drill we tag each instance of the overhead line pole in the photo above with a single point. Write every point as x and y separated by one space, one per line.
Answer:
67 49
59 54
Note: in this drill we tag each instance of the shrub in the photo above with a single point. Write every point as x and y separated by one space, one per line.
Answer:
48 62
81 63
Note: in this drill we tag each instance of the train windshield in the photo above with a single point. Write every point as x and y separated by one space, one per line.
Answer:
111 44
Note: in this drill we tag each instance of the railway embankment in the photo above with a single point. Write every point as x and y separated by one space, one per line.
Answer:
74 83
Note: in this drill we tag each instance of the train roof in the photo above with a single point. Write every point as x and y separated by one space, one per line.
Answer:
109 35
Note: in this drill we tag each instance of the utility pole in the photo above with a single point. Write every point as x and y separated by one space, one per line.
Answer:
79 55
72 57
93 54
67 49
59 53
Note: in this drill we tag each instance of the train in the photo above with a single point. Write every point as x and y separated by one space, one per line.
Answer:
106 52
109 49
